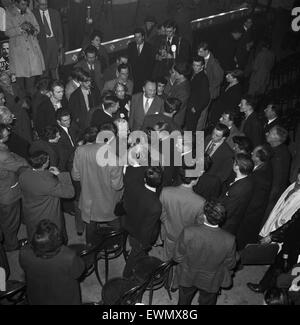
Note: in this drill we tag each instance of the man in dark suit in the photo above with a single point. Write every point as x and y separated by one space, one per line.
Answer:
200 96
288 234
181 46
83 101
52 273
251 126
245 44
262 178
67 142
272 113
47 109
142 218
178 86
213 69
50 36
221 154
237 198
226 48
42 190
143 104
280 161
141 59
92 65
103 115
232 119
206 254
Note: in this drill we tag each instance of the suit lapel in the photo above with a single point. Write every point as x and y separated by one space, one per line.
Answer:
152 108
141 104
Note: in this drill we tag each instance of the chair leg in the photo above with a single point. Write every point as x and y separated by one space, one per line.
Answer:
169 293
97 272
106 267
150 296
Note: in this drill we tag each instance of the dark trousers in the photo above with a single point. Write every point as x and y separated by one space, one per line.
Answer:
26 84
137 251
95 231
10 223
186 295
270 277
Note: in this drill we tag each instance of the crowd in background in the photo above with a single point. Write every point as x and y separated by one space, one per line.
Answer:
51 133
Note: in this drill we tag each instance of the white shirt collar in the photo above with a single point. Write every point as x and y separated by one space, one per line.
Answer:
273 119
76 83
152 189
106 112
209 225
207 57
239 178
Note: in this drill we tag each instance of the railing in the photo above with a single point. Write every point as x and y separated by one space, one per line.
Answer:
119 44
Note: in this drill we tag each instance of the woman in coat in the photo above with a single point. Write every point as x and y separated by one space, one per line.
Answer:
25 56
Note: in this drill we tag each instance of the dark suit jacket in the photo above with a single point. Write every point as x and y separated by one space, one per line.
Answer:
97 75
234 131
280 162
143 210
78 109
229 99
215 75
52 281
141 65
251 224
99 118
182 92
236 201
66 148
205 255
183 49
288 234
253 129
50 148
208 186
222 161
56 28
45 115
268 127
199 99
137 113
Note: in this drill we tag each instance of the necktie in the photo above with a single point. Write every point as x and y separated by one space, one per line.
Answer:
210 149
46 25
139 49
70 137
146 105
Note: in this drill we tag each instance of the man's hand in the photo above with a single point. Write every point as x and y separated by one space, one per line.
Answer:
54 170
266 240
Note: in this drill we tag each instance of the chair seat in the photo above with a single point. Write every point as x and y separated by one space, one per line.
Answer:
115 288
145 266
12 287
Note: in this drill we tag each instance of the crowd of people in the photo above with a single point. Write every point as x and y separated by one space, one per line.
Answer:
52 135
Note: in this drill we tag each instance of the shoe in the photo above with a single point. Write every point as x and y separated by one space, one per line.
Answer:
255 287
